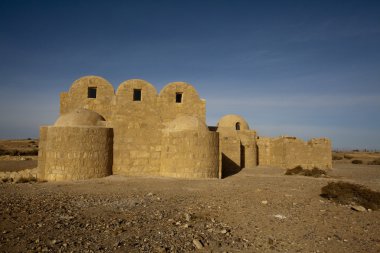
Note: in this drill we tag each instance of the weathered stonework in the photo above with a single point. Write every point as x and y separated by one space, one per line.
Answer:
289 152
139 132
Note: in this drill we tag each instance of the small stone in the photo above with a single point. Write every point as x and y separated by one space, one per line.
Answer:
160 249
198 244
150 194
280 216
358 208
264 202
187 217
224 231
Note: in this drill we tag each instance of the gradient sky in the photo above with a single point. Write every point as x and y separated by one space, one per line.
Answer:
299 68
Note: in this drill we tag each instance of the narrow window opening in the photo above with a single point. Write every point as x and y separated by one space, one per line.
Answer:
136 94
237 126
178 97
91 92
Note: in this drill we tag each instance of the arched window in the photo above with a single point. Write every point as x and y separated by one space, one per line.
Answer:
237 125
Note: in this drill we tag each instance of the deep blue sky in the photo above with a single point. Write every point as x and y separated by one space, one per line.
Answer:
302 68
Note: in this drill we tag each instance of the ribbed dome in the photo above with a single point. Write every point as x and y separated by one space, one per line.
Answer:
233 121
80 117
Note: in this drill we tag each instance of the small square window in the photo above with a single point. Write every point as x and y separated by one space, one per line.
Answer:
178 97
91 92
136 94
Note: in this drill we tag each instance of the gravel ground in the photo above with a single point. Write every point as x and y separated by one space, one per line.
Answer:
256 210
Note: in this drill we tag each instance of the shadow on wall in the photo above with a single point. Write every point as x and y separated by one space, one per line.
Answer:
229 167
110 154
242 156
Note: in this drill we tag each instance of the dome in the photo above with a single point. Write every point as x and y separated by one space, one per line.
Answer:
233 121
80 117
184 123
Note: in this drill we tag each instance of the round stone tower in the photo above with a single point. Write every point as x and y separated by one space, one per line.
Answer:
78 146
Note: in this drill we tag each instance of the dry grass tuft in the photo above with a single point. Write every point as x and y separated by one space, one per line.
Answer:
375 162
348 193
349 157
357 162
337 157
26 180
315 172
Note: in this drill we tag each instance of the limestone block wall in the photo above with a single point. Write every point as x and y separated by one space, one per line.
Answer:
237 144
190 154
137 130
191 104
75 153
77 97
248 148
42 152
289 152
230 152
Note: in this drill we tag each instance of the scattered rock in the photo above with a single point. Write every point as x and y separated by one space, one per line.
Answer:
187 217
264 202
198 244
280 216
358 208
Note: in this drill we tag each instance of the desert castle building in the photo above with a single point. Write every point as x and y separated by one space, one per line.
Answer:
139 132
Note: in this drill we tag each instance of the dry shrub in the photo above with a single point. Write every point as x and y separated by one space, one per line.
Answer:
349 157
26 180
357 162
348 194
315 172
337 157
6 180
16 152
375 162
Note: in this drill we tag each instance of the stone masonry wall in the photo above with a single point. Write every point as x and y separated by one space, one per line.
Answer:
248 148
230 152
137 130
137 125
289 152
75 153
77 97
190 154
191 104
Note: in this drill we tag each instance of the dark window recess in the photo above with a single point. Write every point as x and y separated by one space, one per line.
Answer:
237 126
91 92
178 97
136 94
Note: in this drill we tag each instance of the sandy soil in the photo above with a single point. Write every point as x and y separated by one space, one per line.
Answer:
256 210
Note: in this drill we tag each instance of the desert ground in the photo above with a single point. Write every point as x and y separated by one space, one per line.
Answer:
257 210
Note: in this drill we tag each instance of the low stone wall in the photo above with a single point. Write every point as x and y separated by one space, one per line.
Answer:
289 152
75 153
